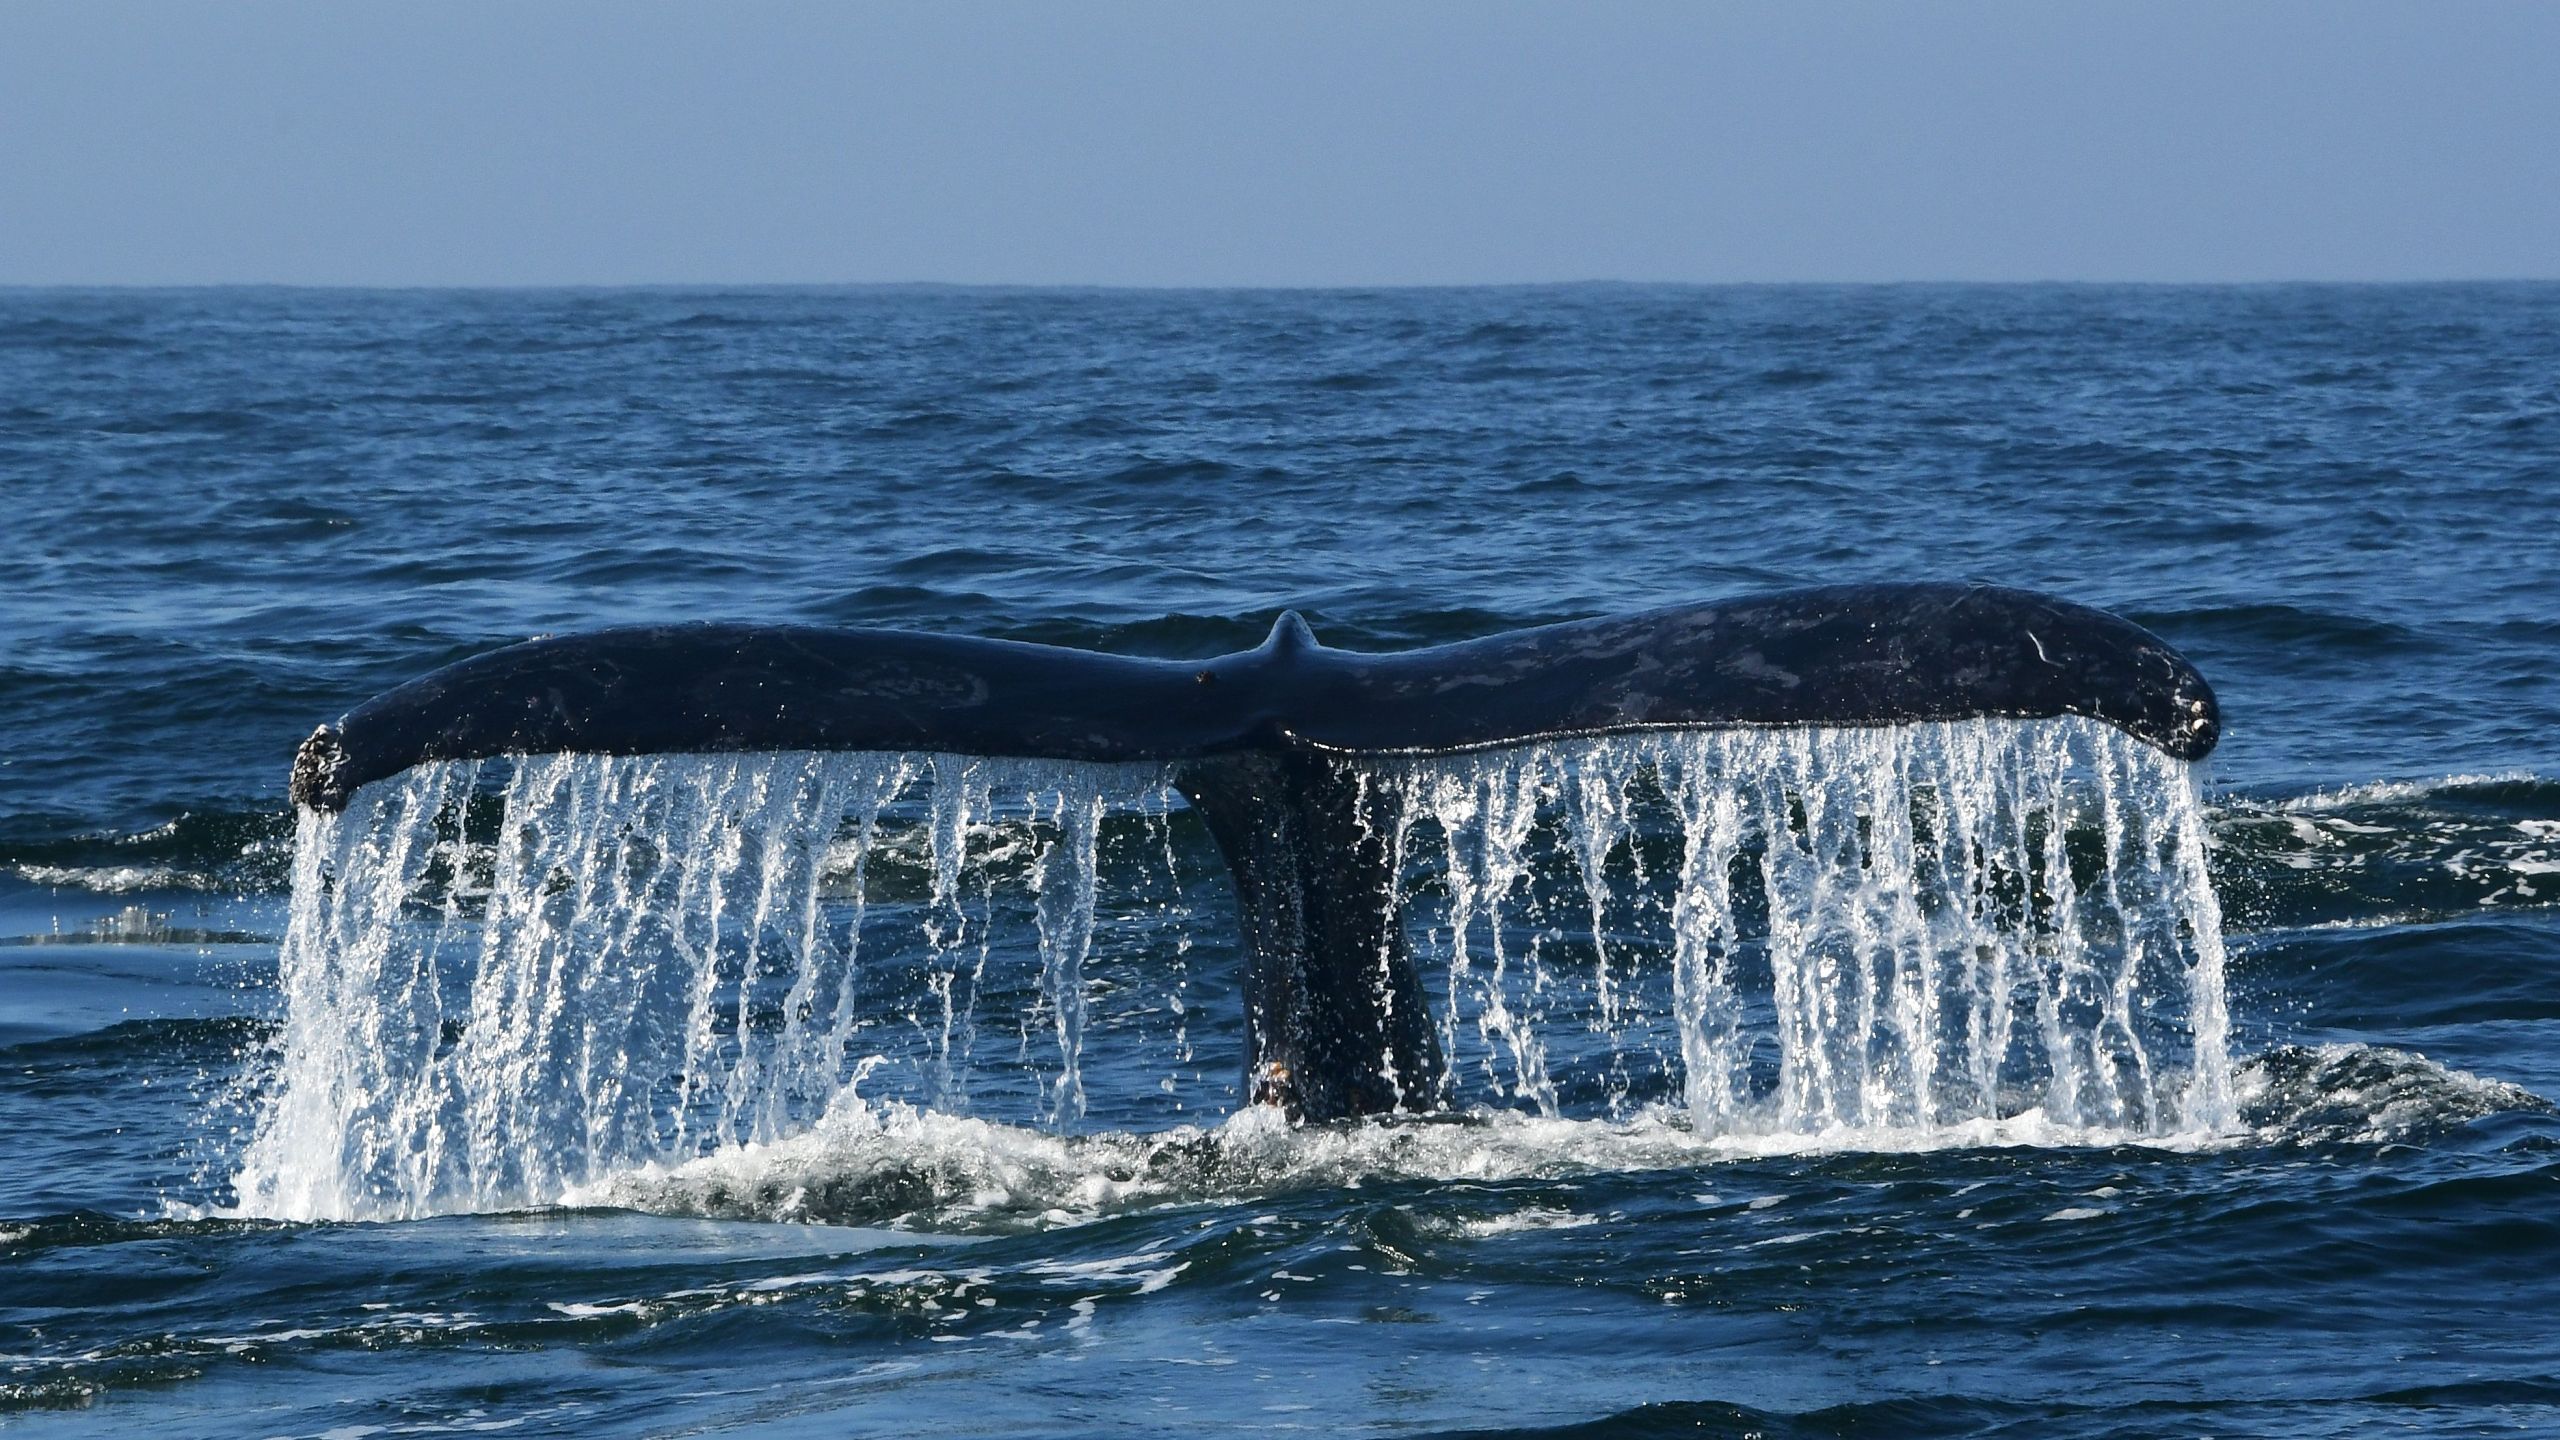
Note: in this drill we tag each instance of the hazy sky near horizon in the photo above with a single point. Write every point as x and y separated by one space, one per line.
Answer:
1195 143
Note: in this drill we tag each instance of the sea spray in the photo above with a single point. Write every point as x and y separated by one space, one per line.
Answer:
510 982
636 959
1915 926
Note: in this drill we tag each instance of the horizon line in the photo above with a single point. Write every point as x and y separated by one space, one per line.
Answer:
1195 287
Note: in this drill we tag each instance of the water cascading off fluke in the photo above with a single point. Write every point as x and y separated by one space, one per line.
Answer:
1845 764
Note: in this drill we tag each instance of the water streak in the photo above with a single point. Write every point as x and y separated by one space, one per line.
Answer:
1909 927
506 983
653 957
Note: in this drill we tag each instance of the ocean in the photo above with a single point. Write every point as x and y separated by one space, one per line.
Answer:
2304 1180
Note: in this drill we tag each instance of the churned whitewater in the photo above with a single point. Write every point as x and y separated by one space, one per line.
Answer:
1996 1078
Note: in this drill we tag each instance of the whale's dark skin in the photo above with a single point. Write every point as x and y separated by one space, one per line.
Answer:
1268 743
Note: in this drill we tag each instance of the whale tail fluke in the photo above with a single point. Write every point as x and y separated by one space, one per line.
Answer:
1270 744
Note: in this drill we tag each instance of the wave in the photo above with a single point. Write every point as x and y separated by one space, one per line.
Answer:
2280 625
2504 788
117 879
1959 1414
890 1164
2388 850
208 851
2366 1094
2489 967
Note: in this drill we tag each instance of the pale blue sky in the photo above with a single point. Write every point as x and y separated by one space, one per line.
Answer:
1299 143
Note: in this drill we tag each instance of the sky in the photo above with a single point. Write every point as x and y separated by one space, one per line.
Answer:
1305 143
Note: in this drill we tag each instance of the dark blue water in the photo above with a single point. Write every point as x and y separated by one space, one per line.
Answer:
232 514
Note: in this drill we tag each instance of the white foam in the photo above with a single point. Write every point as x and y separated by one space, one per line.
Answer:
2390 791
116 879
895 1164
2367 1094
1535 1217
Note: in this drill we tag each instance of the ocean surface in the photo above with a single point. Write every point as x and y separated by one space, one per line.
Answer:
230 515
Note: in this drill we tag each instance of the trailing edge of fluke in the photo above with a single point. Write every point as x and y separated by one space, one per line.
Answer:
1267 743
1834 656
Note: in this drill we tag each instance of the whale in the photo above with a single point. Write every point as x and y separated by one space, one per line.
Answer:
1276 747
